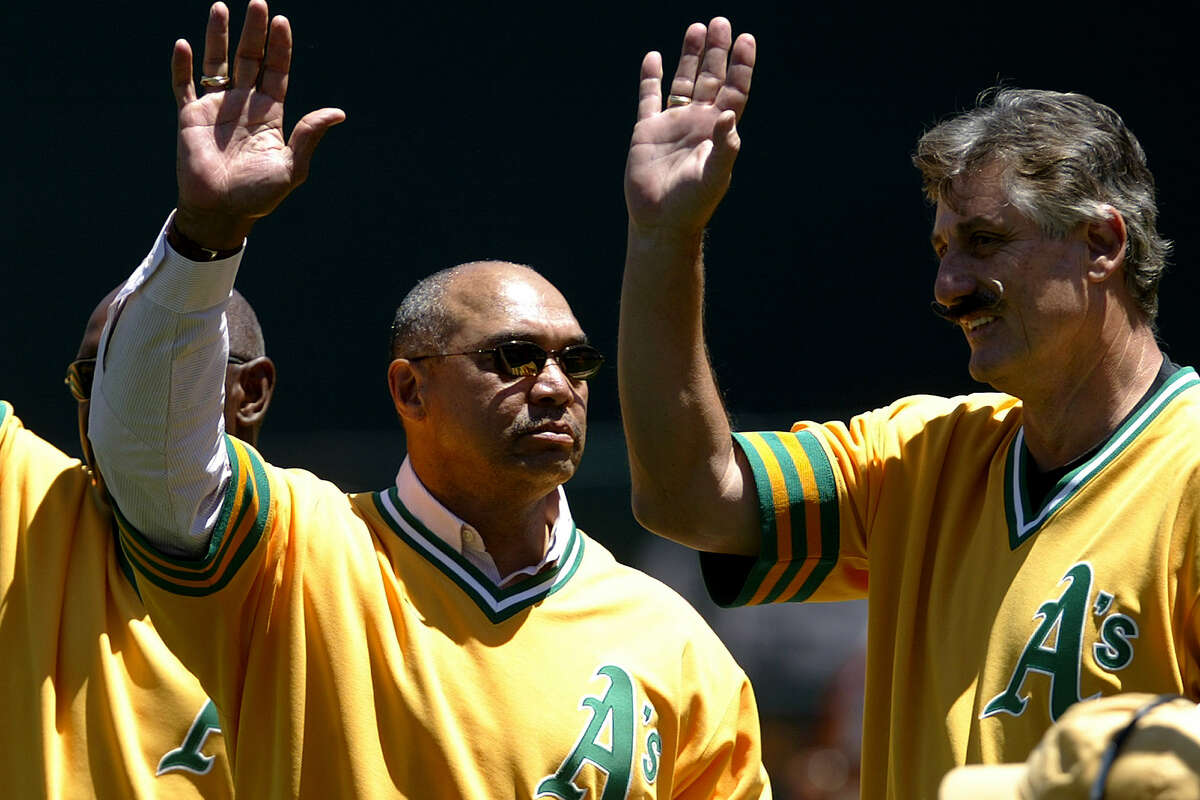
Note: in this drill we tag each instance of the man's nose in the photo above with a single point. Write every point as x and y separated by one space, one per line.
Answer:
551 386
955 280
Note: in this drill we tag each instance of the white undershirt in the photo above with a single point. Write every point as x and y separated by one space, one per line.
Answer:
466 540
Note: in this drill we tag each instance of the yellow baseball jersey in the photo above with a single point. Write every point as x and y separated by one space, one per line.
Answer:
989 614
94 704
353 653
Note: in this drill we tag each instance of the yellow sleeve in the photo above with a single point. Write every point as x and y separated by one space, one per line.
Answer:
727 762
800 479
29 466
821 492
206 609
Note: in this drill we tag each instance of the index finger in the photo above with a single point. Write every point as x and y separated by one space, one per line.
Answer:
736 90
278 60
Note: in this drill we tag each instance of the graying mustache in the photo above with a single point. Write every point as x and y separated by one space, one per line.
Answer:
532 426
977 301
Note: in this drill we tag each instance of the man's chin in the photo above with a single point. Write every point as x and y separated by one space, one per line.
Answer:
995 372
552 464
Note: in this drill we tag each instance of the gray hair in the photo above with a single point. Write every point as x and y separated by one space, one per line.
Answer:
1063 156
245 333
422 324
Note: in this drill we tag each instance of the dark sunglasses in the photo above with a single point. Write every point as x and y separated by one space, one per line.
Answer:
81 371
519 359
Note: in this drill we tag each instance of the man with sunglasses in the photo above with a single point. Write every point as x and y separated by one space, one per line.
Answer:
1020 550
452 635
95 704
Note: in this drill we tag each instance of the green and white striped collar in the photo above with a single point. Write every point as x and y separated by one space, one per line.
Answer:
1024 519
435 532
457 533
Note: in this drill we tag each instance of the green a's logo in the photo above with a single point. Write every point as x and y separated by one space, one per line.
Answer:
187 757
1056 647
611 714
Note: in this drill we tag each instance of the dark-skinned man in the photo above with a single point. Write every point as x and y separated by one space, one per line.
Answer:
453 635
95 703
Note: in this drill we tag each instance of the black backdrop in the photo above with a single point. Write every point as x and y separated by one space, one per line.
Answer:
500 131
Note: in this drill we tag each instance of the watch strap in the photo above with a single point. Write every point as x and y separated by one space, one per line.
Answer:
193 251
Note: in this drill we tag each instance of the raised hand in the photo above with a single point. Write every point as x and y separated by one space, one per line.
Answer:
681 158
233 164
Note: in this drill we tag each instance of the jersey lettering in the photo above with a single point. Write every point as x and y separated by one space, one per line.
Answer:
187 757
1114 651
612 715
653 753
1055 649
653 746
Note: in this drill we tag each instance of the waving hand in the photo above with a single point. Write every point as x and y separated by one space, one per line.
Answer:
233 163
681 158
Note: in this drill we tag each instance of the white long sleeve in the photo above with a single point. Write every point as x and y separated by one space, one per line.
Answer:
156 422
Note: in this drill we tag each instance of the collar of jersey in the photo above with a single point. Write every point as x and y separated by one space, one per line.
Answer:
496 603
1023 519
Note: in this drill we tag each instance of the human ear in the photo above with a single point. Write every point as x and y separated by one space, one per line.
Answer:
1106 242
406 385
248 391
256 379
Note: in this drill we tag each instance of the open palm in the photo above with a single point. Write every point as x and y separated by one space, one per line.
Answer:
681 158
233 164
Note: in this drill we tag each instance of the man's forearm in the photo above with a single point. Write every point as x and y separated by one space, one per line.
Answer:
687 484
156 422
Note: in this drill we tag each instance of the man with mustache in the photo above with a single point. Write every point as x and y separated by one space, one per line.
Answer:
1020 550
95 704
453 635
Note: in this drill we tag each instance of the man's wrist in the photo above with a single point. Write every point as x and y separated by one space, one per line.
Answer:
663 238
192 250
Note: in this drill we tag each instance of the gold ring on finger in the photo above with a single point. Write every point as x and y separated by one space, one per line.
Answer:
214 81
677 100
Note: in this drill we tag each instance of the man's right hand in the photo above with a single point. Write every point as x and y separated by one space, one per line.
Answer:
233 165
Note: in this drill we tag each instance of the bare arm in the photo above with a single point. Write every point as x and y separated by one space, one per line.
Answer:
156 421
690 483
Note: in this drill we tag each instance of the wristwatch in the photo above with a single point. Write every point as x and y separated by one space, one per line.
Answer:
192 251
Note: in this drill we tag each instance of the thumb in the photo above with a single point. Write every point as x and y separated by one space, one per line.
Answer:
307 134
726 144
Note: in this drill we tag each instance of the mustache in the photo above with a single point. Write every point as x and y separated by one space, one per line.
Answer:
979 300
525 424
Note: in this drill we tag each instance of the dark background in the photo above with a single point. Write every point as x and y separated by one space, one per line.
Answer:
499 131
478 131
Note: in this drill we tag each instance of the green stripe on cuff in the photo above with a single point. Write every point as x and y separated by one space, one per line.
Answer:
767 524
830 521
